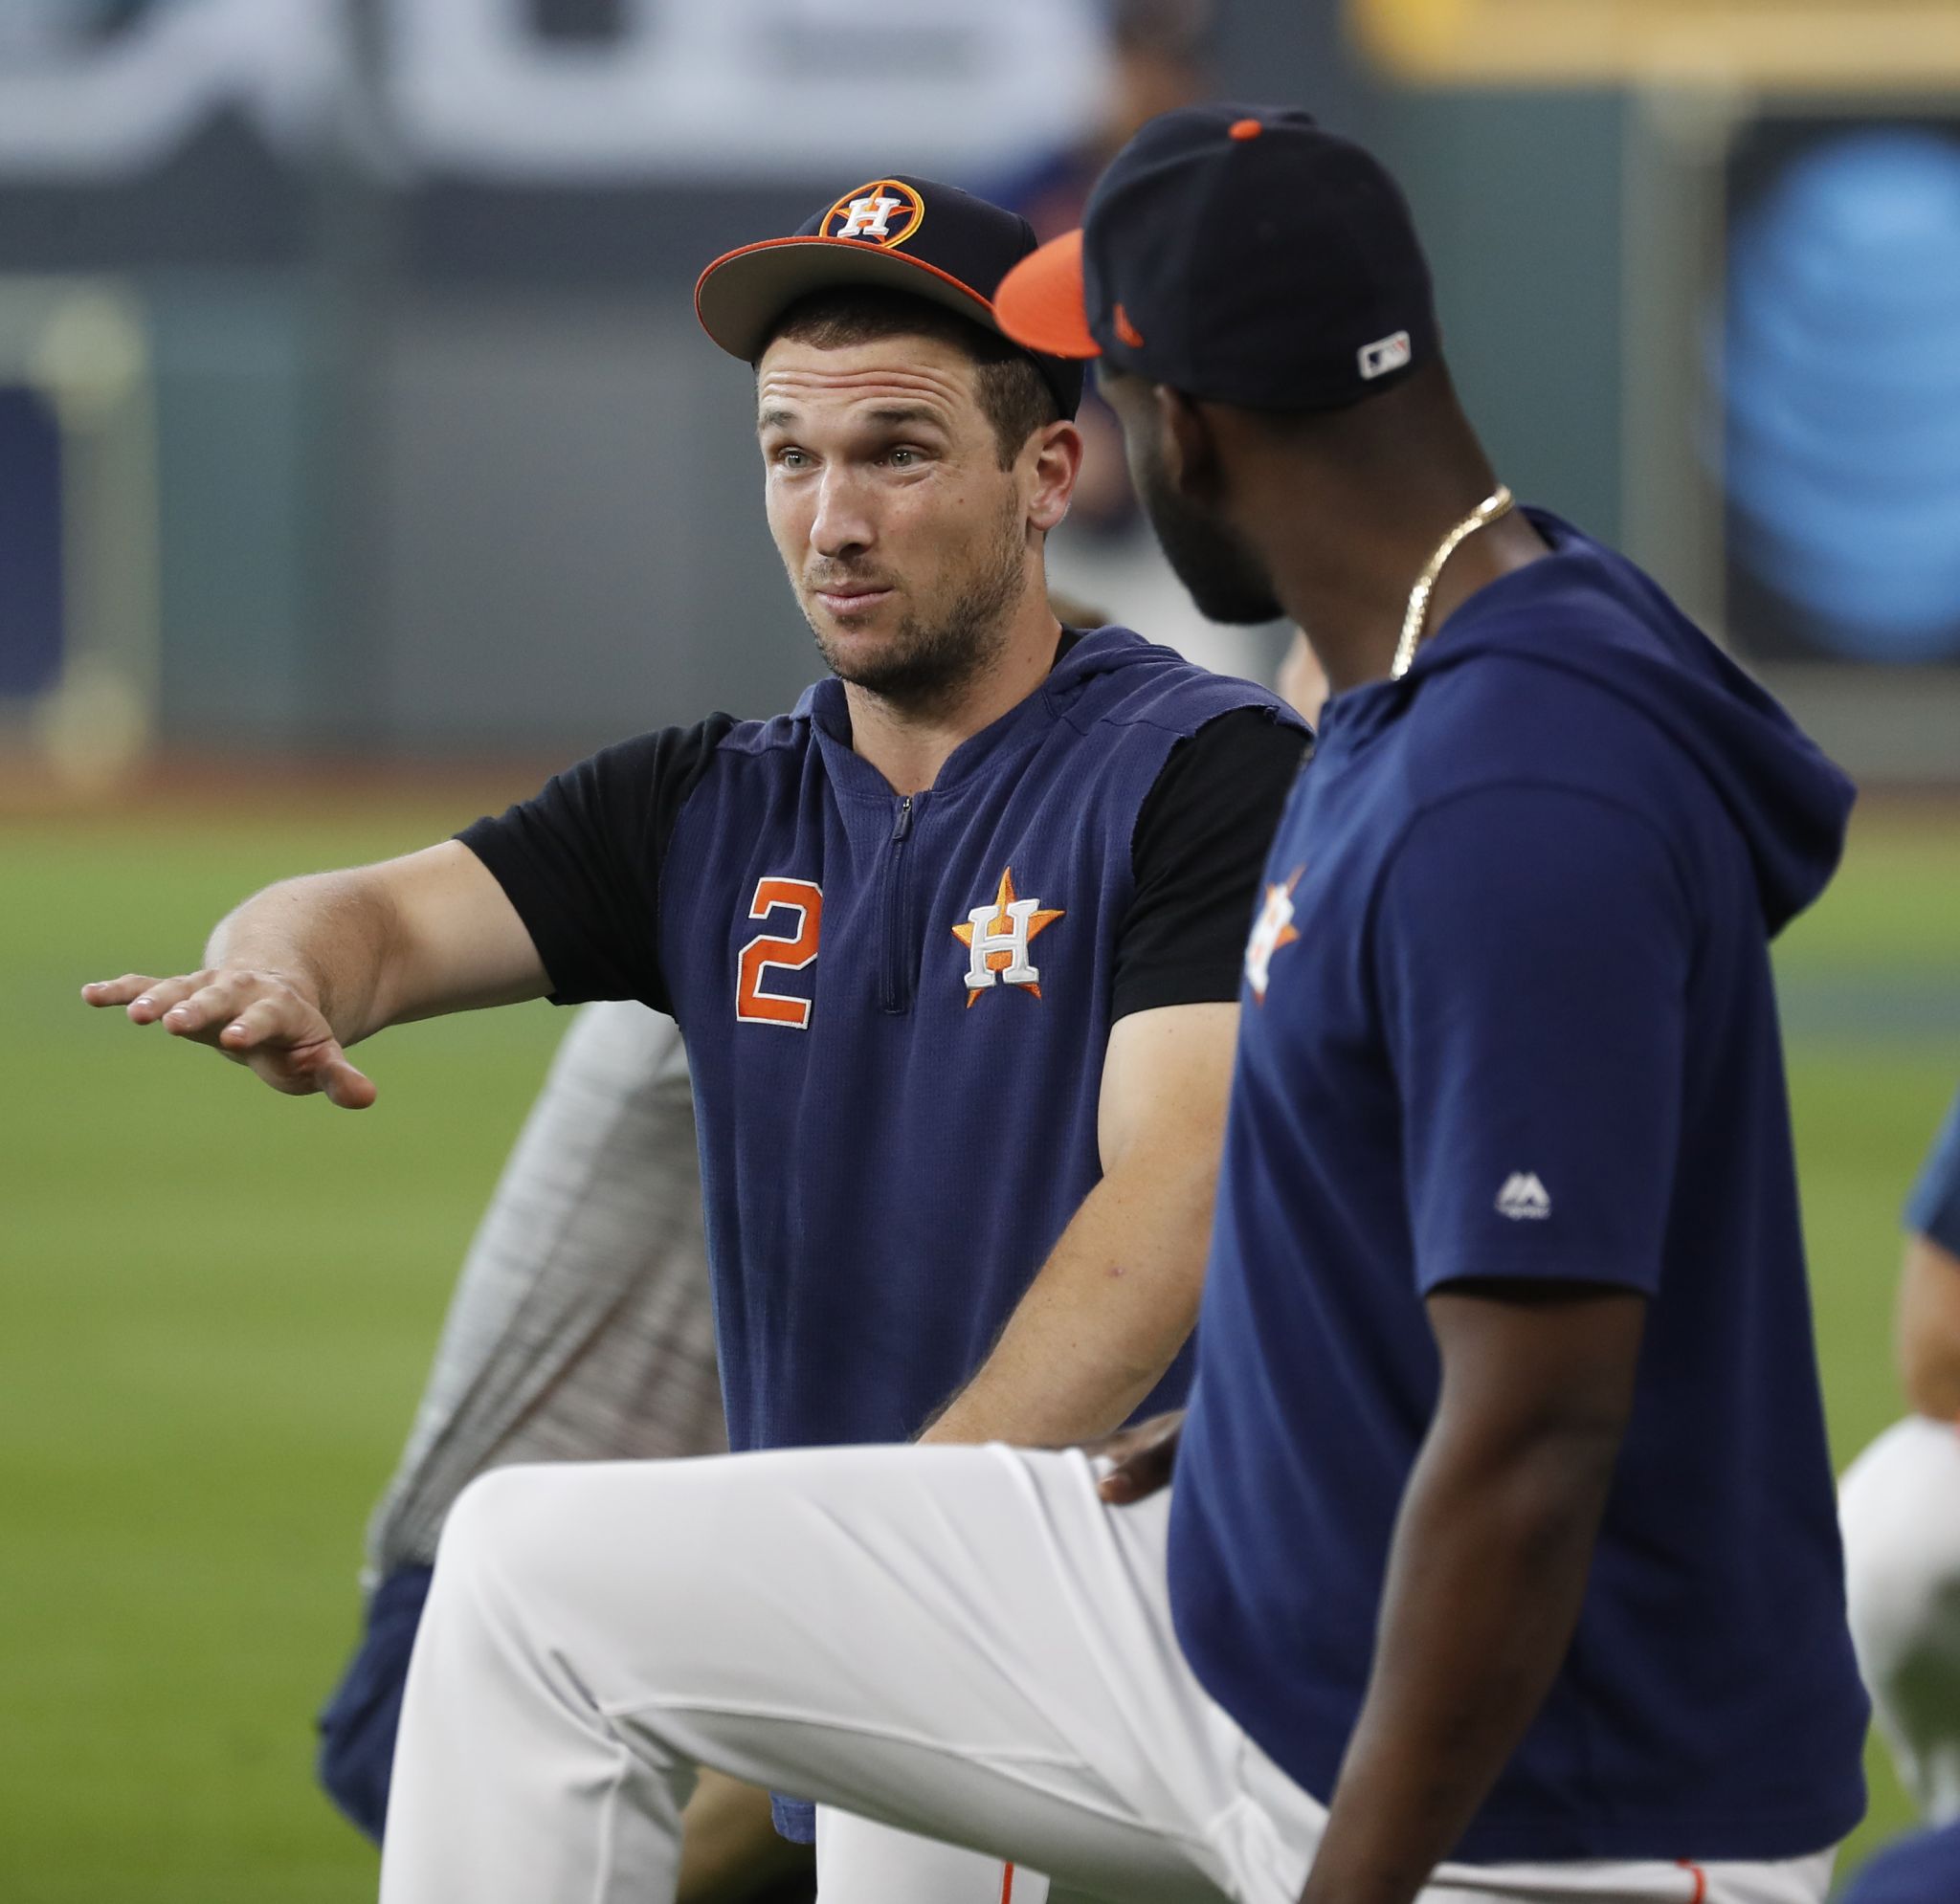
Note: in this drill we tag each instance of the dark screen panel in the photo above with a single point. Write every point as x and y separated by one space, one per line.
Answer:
1840 370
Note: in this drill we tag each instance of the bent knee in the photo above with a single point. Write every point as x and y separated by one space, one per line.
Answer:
1900 1508
506 1519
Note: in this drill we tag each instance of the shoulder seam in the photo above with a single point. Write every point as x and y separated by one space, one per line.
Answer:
1258 701
797 732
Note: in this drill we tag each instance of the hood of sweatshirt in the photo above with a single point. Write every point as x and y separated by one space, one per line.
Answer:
1589 612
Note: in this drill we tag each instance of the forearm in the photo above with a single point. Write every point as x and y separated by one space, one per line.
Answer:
1105 1317
307 968
1486 1579
378 946
333 936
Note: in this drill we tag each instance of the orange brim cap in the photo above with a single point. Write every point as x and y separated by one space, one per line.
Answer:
1041 303
739 298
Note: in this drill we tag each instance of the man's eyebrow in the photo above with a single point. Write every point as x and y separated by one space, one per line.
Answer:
902 414
892 416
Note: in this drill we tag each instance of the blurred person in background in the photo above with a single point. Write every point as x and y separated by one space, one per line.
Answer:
1162 55
1901 1507
1302 682
581 1330
1160 58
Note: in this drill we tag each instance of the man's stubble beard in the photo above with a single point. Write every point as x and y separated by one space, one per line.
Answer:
1219 569
936 653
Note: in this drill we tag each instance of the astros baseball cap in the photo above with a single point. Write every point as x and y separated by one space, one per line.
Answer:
1240 254
934 241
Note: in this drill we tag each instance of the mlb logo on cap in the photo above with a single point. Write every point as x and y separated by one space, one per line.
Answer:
1390 353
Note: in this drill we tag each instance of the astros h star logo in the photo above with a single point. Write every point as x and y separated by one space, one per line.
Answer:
1271 930
997 934
884 212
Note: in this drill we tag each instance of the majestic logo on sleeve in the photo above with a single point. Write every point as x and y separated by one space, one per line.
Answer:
1271 930
1524 1199
884 212
997 936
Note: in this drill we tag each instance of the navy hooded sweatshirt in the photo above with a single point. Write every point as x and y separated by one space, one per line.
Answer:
1508 1013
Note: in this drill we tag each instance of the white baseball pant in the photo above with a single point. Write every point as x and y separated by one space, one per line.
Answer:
962 1643
857 1858
1900 1503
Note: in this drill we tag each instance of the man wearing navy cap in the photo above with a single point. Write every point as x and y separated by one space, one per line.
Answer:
1501 1564
953 947
1502 1515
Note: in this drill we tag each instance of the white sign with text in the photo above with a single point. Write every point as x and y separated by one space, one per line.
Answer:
738 89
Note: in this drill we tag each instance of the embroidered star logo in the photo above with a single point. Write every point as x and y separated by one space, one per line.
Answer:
885 212
1273 929
998 935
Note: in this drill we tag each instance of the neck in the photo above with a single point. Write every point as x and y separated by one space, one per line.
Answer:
1352 608
1380 507
909 743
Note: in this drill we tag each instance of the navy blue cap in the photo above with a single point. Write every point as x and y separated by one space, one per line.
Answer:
932 241
1240 254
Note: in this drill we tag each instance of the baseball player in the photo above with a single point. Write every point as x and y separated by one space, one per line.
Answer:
1501 1562
953 946
1901 1508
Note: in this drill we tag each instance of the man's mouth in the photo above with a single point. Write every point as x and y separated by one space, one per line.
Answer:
843 599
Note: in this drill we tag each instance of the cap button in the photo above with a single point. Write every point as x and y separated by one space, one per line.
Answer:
1246 128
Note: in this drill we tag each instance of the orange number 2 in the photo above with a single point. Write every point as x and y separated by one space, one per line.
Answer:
791 954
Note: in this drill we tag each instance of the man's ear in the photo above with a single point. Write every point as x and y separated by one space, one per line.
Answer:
1190 454
1057 454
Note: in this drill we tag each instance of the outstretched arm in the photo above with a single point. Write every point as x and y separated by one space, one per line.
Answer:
310 966
1119 1294
1486 1572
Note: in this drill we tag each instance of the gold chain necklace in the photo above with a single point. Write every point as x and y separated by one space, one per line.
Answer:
1487 512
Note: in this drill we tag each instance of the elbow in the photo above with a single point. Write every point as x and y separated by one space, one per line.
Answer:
1928 1330
1568 1466
1542 1484
1544 1507
1931 1375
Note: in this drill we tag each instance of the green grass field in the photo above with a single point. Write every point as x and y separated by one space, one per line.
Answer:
215 1307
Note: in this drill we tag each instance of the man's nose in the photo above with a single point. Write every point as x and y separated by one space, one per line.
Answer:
841 527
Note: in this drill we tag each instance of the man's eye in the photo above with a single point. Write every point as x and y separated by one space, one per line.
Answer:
791 459
902 459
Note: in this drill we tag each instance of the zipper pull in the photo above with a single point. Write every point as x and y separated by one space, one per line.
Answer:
904 824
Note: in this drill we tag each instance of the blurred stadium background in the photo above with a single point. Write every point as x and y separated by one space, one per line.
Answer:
360 460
